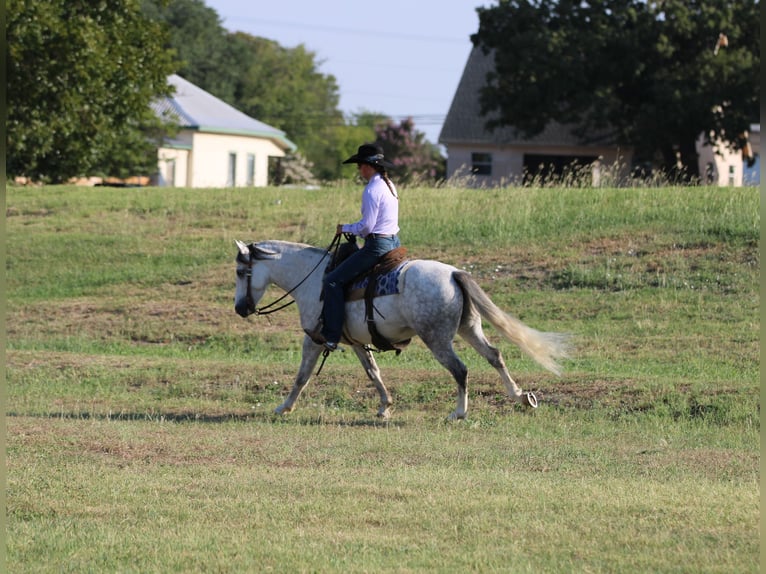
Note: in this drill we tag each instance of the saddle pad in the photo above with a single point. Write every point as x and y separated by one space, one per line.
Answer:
387 284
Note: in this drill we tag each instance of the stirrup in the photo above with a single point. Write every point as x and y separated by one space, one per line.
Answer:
316 335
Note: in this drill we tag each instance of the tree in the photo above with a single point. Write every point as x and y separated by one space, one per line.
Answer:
645 72
205 52
278 86
414 158
283 87
81 75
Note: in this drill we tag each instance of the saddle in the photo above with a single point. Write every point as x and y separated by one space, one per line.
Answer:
368 284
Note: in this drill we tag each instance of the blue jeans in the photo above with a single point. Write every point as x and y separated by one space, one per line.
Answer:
335 282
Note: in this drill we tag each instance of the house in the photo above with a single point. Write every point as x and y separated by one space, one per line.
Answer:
216 145
720 165
504 156
752 173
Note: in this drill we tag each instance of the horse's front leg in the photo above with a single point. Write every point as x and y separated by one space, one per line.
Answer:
373 373
310 355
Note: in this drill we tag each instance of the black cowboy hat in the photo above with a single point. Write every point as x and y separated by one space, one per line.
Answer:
371 154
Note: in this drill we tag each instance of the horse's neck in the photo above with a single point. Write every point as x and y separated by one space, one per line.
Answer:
298 272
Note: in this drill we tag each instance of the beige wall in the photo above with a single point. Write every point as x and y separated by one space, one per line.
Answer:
508 162
173 167
207 163
725 166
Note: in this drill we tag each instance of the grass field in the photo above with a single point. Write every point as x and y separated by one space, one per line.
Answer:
140 433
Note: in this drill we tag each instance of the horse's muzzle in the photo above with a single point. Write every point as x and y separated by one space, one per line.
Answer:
244 307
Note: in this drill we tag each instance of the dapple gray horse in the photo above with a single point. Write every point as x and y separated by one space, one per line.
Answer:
435 302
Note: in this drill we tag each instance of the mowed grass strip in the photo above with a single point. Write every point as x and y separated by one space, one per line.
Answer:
139 406
333 492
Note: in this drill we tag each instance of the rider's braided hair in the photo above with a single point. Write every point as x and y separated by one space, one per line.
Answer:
382 171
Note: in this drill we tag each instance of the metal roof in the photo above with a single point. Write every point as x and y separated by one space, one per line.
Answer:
196 109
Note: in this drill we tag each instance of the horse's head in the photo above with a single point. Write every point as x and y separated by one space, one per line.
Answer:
252 279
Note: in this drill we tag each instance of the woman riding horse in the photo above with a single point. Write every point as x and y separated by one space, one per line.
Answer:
378 226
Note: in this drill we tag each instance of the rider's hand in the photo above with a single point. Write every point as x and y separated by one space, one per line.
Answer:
339 229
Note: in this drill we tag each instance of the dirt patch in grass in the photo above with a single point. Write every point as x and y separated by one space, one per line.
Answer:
228 389
177 315
640 259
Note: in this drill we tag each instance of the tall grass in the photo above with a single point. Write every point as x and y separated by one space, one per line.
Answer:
139 406
514 216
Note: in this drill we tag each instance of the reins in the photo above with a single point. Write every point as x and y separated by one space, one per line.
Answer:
266 309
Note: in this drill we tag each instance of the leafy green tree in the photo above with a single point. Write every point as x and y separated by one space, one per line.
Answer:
81 75
279 86
653 74
283 87
206 54
370 120
276 85
415 159
358 128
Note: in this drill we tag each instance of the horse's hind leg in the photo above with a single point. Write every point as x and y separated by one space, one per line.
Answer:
373 373
472 332
309 359
444 352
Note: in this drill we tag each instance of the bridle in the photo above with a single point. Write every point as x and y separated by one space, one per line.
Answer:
267 309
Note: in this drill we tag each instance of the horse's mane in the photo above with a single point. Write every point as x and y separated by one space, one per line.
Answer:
288 246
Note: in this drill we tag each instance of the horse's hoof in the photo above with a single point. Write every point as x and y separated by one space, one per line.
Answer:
282 410
384 414
456 417
529 400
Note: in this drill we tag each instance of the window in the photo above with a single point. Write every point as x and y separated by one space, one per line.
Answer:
250 169
170 173
481 163
231 181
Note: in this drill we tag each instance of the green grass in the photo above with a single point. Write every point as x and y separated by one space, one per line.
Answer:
140 433
547 493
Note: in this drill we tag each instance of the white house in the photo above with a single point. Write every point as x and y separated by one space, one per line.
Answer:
719 165
216 145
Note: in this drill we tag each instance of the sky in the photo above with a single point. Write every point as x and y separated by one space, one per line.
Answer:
397 57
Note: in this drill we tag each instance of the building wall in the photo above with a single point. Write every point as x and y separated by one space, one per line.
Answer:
508 162
210 159
719 165
173 167
201 159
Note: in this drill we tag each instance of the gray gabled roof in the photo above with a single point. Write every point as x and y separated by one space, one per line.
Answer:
198 110
465 125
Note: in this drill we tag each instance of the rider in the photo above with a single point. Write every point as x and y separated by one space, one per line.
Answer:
378 226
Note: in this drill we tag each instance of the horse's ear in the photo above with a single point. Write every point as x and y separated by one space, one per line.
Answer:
242 246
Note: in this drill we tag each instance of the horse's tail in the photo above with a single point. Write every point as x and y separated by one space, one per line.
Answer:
543 348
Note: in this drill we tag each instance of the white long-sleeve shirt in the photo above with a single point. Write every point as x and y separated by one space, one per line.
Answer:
380 210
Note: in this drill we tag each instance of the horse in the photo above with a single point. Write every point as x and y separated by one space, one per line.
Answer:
435 302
